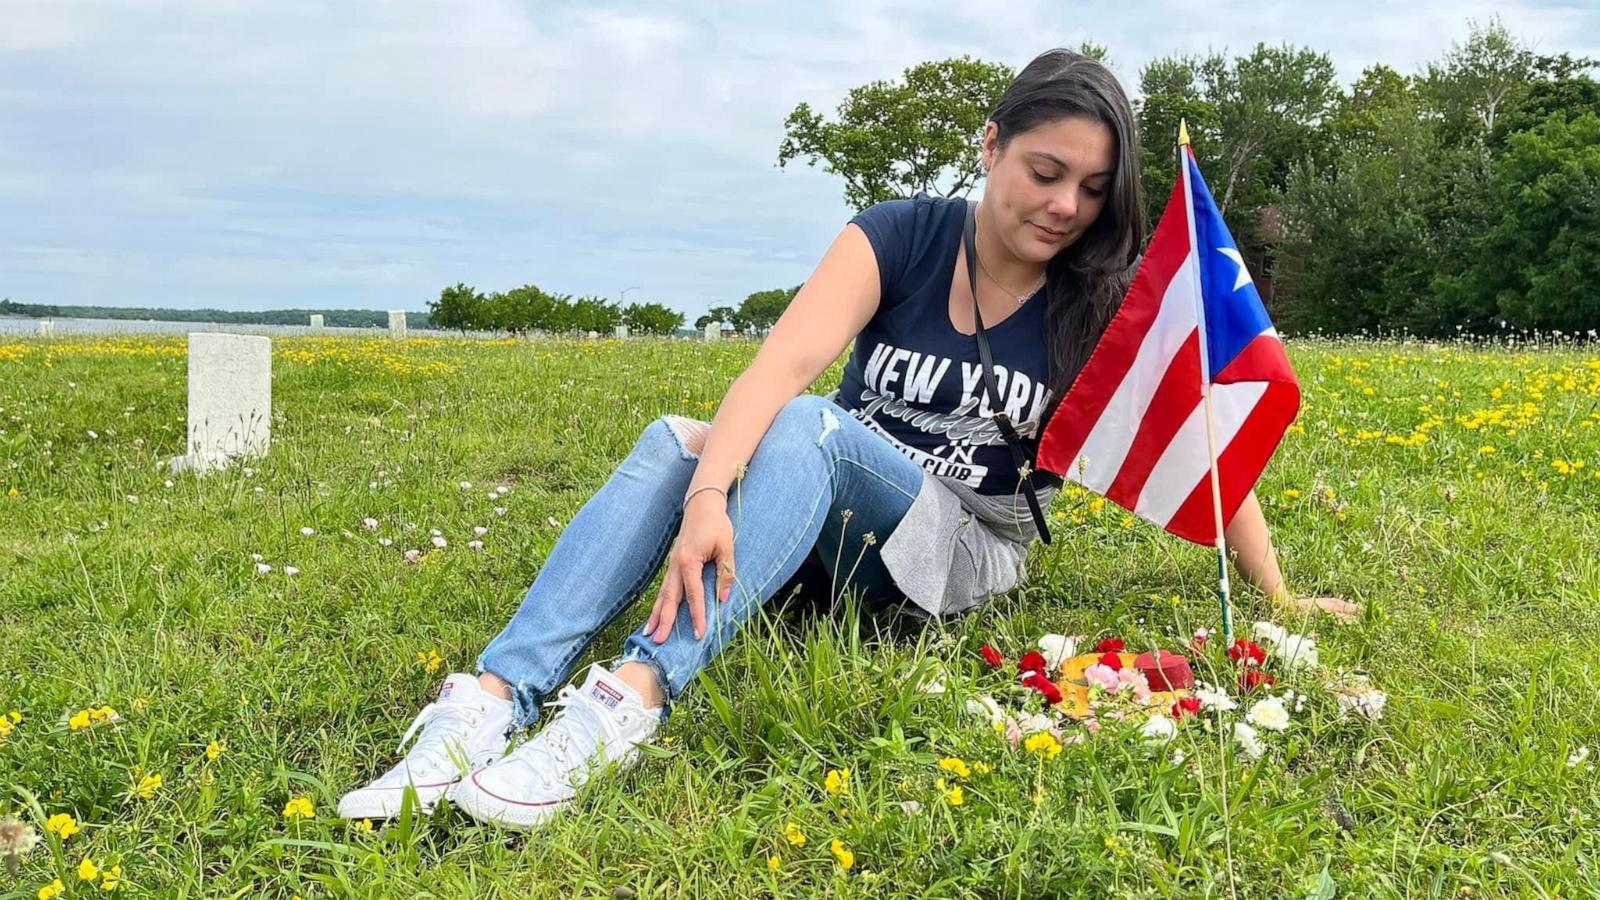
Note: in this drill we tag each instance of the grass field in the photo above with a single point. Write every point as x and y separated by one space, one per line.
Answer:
1454 491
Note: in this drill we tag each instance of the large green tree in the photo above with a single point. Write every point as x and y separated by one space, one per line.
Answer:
761 310
651 318
894 139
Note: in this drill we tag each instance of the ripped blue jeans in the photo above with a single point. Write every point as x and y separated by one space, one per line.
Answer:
819 481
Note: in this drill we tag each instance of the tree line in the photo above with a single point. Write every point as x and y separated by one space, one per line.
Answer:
528 309
1461 197
333 318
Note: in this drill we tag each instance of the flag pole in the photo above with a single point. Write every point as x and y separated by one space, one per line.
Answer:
1205 394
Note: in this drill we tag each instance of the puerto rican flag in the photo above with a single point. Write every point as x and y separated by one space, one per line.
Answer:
1133 426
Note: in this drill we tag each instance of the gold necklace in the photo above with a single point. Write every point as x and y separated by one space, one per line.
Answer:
1020 299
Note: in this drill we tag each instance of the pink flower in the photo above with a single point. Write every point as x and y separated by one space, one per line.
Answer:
413 555
1101 676
1131 678
1201 635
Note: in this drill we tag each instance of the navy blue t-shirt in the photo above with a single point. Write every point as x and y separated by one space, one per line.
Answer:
914 379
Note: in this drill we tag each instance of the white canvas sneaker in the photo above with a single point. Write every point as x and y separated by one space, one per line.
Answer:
462 730
601 723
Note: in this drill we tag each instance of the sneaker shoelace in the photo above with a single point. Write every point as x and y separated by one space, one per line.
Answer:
563 751
438 723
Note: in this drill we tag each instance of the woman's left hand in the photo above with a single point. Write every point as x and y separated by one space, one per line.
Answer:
1340 609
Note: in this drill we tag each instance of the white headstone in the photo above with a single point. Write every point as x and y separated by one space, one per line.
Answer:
622 331
47 328
397 323
316 321
713 331
230 399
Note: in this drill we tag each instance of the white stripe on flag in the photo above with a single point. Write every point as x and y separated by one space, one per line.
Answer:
1187 460
1109 440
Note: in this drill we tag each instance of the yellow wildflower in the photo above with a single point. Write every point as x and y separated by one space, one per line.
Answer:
111 878
364 826
8 724
794 835
79 720
52 890
87 870
954 765
299 808
13 492
842 854
773 863
954 795
62 825
1291 493
216 749
430 661
1043 743
148 785
102 714
837 781
982 768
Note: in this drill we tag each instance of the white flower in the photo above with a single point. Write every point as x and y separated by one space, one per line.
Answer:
167 483
1056 648
1269 713
249 472
291 571
413 555
499 510
1035 723
1268 632
439 542
435 532
369 523
502 490
985 706
134 499
1178 757
466 485
551 520
256 557
1298 652
1245 736
260 489
473 545
1367 703
1577 757
307 531
372 485
1159 729
479 530
1213 697
384 542
93 436
262 568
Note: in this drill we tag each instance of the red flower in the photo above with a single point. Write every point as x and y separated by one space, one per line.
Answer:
1201 635
1247 653
1032 661
992 656
1186 706
1110 645
1111 661
1250 679
1043 685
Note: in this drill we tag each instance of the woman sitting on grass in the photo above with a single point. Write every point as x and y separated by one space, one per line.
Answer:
903 480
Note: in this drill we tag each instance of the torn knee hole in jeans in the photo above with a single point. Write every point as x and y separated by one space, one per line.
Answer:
830 424
691 434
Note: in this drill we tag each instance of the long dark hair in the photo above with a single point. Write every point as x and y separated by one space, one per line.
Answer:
1087 280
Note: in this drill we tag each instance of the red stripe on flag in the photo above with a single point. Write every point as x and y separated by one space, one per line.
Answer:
1263 359
1170 406
1064 435
1239 465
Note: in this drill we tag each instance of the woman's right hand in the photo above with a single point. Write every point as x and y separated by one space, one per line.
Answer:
706 536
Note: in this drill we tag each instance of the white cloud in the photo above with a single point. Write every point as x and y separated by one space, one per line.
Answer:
266 152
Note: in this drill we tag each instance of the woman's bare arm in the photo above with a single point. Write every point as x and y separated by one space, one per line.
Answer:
1250 545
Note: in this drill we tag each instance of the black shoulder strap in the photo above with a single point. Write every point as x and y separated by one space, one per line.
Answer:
1019 454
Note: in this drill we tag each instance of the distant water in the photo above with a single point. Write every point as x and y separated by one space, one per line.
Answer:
65 327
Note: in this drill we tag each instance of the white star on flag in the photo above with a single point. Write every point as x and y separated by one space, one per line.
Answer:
1244 274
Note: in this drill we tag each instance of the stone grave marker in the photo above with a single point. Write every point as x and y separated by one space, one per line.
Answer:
230 399
713 331
397 323
316 321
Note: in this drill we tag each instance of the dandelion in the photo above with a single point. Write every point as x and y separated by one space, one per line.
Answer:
773 863
1043 743
299 808
429 660
955 796
837 781
216 749
87 870
1268 713
307 531
62 825
369 523
52 890
955 766
148 785
842 853
793 834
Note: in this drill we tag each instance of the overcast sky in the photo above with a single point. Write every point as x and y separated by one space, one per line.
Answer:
273 153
